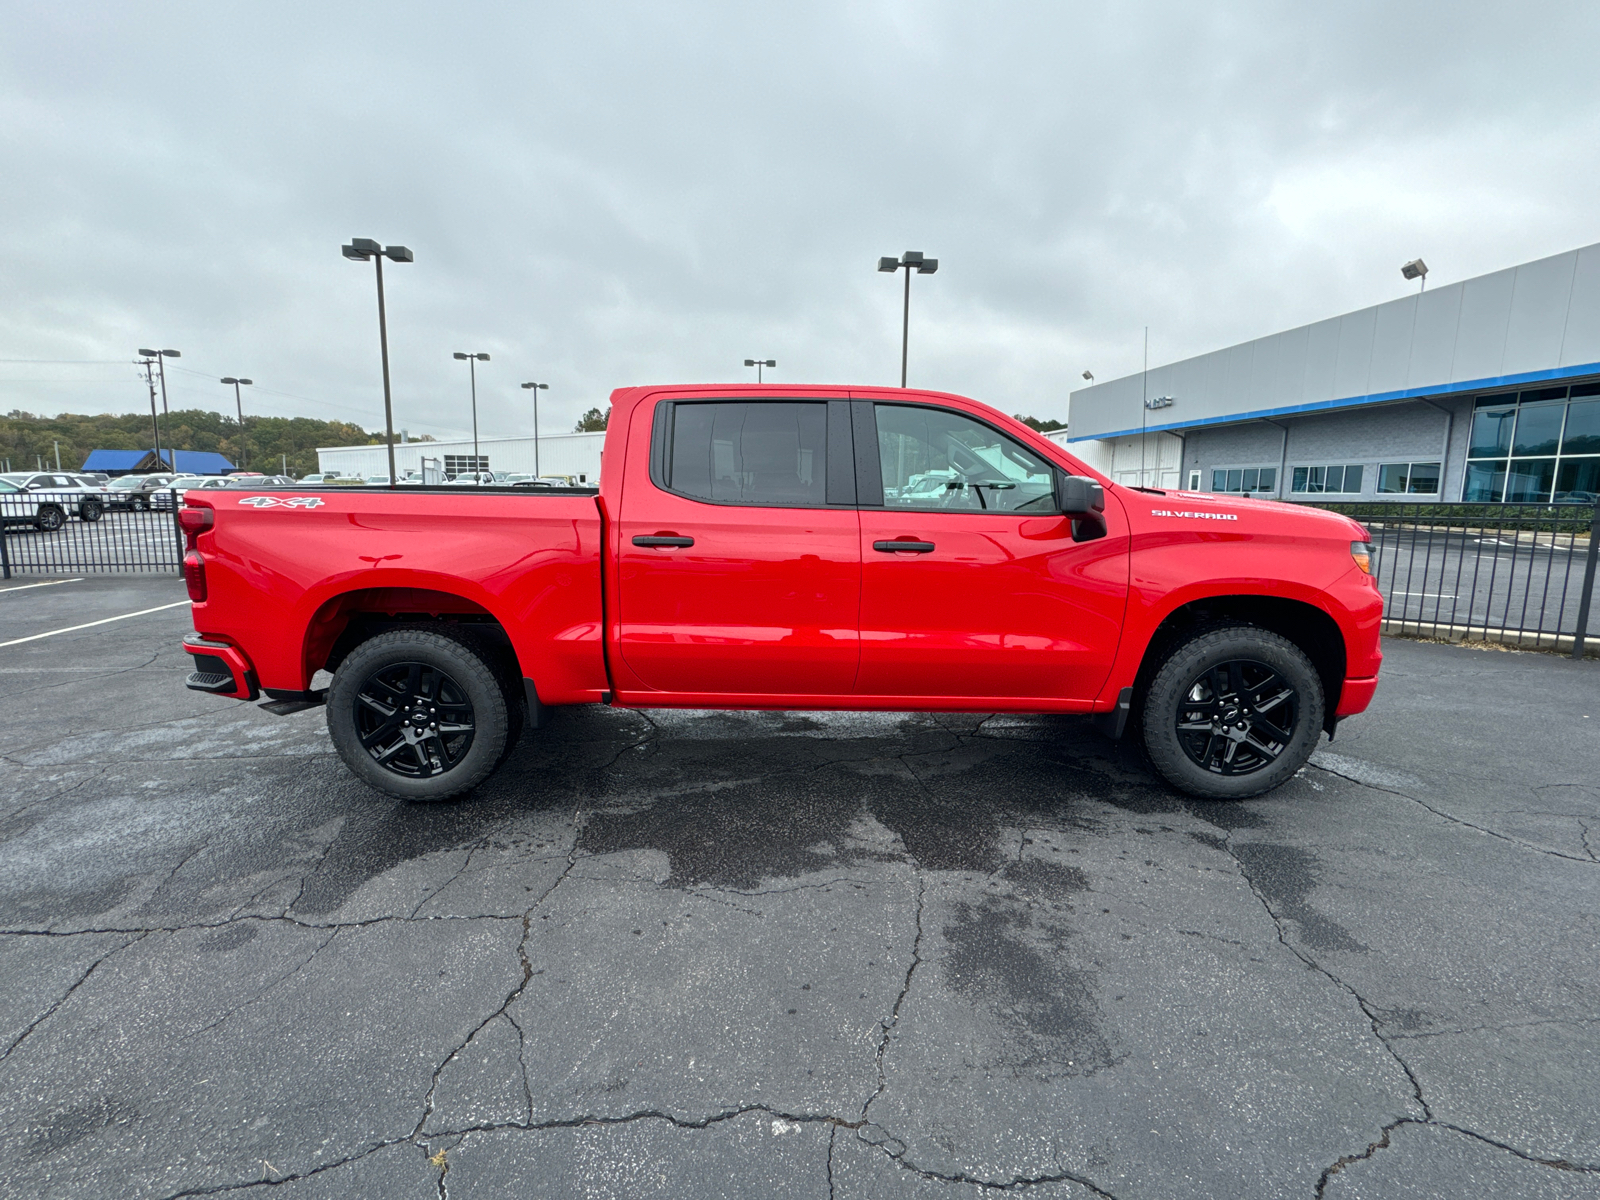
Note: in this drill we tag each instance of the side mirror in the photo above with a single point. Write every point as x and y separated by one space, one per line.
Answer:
1079 495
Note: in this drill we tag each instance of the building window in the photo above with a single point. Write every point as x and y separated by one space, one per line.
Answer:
1194 481
1340 480
1408 479
1536 446
1243 479
464 464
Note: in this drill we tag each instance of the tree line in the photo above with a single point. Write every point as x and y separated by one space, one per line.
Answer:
29 441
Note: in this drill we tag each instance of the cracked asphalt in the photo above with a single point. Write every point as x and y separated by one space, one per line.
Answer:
789 955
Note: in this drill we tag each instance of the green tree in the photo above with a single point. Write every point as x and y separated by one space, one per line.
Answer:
593 421
1044 426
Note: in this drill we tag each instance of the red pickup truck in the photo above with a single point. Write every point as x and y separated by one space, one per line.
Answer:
790 548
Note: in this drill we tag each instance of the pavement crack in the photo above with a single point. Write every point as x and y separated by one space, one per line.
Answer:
291 1177
899 1001
65 996
269 987
1587 857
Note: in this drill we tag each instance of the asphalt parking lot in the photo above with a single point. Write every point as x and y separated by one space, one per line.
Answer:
788 955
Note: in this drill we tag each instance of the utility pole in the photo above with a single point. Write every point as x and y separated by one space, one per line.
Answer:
148 363
159 357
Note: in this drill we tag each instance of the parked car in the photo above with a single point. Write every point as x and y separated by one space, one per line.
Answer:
773 570
84 499
135 491
316 477
21 507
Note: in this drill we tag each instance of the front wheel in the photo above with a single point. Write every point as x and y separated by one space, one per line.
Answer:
50 518
418 715
1232 713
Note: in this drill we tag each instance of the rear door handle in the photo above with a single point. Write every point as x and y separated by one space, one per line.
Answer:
892 547
664 540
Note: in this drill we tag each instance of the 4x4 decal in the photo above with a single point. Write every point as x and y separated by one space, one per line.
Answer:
274 502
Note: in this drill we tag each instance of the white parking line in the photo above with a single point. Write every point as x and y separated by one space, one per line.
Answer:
1432 595
52 583
92 624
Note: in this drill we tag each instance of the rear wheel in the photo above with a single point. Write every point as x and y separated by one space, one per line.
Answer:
418 714
1233 713
89 510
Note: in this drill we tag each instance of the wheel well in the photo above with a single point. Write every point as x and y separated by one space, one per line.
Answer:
349 619
1307 626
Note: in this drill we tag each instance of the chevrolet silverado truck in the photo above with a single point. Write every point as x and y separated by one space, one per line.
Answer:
779 547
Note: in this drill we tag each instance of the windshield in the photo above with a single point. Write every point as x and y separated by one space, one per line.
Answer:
127 481
19 480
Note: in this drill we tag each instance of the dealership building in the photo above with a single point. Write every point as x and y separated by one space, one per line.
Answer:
1484 390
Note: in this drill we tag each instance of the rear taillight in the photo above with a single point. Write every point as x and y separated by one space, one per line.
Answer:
194 574
194 521
1366 557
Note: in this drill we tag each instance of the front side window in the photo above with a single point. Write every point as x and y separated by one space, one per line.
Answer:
750 452
933 458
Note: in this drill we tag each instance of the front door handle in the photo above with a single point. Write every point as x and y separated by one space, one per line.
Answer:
662 540
893 547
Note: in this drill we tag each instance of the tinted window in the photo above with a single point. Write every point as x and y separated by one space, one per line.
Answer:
1491 432
1538 429
751 452
1583 428
935 458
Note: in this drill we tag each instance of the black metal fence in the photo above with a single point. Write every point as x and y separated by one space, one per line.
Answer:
1518 574
1521 574
76 533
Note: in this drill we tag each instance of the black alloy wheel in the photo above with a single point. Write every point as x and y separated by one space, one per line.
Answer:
423 713
1237 717
50 518
1232 712
89 510
414 720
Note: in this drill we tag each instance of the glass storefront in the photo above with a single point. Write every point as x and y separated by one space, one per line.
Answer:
1537 446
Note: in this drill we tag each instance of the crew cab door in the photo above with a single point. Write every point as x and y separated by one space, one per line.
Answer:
739 559
971 582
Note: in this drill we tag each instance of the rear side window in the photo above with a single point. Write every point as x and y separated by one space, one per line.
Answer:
750 452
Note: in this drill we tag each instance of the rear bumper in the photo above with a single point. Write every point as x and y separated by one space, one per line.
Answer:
1356 695
220 669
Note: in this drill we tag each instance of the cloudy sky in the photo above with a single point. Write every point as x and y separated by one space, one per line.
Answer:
606 194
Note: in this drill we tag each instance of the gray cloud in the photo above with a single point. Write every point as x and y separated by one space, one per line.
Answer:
612 194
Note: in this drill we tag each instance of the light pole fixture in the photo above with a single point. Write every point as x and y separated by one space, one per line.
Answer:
239 404
536 388
909 261
1416 269
160 357
360 250
472 361
758 363
1089 375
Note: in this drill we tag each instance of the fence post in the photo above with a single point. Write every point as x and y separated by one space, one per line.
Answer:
5 549
177 529
1587 594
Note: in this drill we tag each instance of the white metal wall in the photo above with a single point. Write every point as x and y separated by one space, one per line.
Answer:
561 454
1537 320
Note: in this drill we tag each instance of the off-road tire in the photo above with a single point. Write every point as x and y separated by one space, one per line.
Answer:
49 518
1200 675
89 510
466 667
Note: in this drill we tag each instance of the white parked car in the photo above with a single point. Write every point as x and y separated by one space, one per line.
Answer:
82 496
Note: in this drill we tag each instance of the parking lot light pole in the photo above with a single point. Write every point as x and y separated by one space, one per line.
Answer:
360 250
472 361
536 388
910 260
239 404
159 357
758 363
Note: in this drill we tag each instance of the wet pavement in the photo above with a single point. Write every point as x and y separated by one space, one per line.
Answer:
812 955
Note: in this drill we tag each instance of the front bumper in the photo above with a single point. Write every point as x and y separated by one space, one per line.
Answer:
1356 695
220 669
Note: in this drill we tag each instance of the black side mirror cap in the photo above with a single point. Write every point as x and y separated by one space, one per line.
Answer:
1080 494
